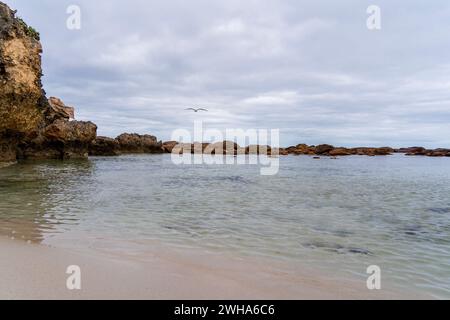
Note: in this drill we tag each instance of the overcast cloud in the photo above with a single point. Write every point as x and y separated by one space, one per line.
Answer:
310 68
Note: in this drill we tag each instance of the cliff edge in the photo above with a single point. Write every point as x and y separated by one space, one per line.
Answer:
31 126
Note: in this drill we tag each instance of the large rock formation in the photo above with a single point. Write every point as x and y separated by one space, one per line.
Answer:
22 100
135 143
30 125
60 140
104 146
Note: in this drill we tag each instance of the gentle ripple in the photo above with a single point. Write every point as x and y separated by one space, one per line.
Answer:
339 215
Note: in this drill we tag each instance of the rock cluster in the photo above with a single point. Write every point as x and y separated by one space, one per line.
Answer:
126 143
421 151
218 148
329 150
134 143
231 148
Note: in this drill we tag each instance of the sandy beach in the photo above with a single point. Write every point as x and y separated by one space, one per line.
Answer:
31 271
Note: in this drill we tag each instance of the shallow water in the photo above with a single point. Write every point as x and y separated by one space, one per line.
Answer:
339 216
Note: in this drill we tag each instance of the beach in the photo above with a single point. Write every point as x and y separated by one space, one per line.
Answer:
141 227
33 271
224 151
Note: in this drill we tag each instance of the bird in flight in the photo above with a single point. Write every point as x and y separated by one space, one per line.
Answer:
197 110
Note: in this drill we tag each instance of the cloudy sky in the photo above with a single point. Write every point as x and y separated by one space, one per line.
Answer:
310 68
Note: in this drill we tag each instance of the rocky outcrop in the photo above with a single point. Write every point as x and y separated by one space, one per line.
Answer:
258 150
223 148
104 146
384 151
194 148
60 140
22 100
135 143
439 153
32 127
340 152
168 146
412 150
128 143
323 149
420 151
329 150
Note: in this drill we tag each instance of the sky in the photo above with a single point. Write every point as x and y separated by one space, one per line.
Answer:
311 69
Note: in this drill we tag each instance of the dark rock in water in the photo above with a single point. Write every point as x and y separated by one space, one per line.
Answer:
224 148
135 143
200 148
60 140
419 151
8 149
340 152
359 251
337 248
168 146
439 153
104 146
371 152
282 152
30 125
329 150
384 151
323 149
301 149
440 210
342 233
412 150
258 150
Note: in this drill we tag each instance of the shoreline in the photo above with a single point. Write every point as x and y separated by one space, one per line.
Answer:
35 271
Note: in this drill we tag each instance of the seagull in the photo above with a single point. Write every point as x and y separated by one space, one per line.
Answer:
197 110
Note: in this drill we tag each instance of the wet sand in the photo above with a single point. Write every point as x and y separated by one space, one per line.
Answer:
33 271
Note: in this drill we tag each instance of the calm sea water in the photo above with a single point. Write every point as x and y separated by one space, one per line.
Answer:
337 215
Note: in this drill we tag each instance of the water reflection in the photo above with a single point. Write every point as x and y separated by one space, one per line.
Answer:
31 192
